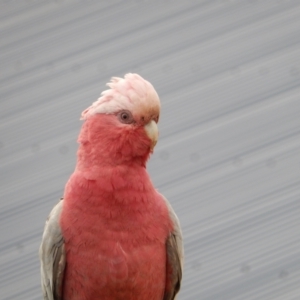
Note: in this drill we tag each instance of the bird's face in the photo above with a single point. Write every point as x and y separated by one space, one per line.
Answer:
145 119
123 122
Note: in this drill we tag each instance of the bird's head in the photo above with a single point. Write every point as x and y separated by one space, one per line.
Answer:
122 124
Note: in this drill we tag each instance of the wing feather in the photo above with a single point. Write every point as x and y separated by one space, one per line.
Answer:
175 257
52 256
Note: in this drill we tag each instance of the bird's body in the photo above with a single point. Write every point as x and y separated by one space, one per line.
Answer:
114 236
132 244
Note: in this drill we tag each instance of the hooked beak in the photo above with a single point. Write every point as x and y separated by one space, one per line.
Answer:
152 132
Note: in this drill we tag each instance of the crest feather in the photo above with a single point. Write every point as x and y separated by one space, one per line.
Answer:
131 92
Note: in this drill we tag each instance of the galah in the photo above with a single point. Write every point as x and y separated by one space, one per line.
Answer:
113 236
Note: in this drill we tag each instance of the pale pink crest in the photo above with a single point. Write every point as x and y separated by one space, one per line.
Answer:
131 93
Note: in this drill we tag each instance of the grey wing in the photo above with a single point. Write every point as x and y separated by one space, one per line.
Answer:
52 256
175 257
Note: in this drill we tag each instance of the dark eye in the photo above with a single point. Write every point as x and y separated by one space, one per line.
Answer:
125 117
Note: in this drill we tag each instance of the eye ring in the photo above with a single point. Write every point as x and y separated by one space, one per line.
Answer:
125 117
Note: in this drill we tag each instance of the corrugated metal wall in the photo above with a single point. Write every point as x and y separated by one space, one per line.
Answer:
228 159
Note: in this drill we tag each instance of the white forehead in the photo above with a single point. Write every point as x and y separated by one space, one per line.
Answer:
131 92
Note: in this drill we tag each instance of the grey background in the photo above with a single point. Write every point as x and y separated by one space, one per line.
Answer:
228 74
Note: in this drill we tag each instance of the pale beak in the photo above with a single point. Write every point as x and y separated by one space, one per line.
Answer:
152 132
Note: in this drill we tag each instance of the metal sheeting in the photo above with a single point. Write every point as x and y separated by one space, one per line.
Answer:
228 74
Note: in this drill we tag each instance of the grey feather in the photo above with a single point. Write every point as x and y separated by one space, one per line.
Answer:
52 256
175 257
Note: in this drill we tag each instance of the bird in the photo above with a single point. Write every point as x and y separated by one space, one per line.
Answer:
112 235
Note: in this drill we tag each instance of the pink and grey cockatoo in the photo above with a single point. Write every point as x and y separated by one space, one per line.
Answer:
113 236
